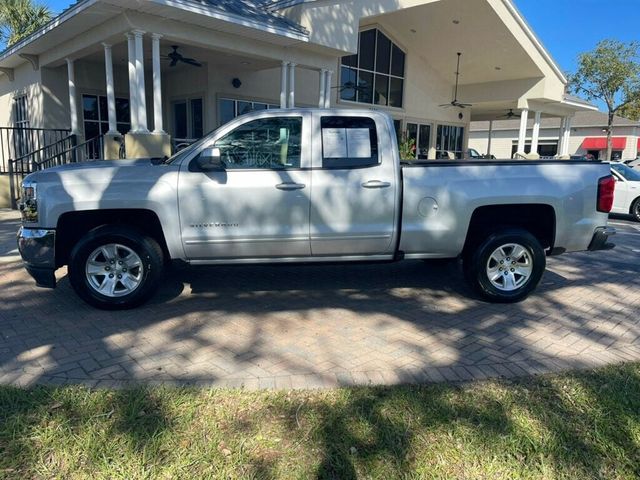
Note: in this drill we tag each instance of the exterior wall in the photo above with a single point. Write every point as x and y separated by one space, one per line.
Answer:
325 22
26 81
55 98
578 136
503 140
321 20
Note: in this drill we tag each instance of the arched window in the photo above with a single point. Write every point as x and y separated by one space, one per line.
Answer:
375 75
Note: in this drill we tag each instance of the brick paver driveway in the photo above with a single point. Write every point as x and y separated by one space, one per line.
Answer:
323 325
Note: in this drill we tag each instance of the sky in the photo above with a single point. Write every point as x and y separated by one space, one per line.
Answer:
569 27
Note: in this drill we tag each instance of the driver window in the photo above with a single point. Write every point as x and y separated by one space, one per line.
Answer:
269 143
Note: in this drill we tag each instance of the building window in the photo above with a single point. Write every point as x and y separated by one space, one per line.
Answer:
20 112
229 108
96 116
449 142
22 140
421 136
270 143
375 75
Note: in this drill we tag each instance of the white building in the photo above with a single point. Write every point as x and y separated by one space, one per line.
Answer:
105 68
588 137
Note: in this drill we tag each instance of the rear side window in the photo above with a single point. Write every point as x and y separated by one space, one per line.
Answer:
349 142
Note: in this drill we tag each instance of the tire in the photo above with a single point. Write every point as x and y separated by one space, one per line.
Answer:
115 267
506 282
635 209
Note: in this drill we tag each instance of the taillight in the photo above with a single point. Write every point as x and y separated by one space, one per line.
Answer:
606 187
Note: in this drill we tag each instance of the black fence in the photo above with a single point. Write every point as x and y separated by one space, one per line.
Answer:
16 142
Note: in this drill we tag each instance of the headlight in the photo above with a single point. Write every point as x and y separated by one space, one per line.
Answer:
29 202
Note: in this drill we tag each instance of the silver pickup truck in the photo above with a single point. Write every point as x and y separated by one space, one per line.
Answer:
284 186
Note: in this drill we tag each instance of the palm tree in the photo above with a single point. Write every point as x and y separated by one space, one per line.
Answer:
21 18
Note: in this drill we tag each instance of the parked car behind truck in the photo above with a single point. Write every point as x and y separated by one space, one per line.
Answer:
627 190
307 186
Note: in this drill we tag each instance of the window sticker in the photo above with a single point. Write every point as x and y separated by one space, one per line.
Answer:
359 143
346 142
334 142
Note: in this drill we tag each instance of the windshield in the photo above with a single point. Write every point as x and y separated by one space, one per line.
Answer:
626 172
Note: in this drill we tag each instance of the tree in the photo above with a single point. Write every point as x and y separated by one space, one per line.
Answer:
21 18
631 111
610 73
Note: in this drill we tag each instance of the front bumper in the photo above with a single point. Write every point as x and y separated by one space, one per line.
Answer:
37 249
600 239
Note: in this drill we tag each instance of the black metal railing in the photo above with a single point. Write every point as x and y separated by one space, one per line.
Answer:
62 152
16 142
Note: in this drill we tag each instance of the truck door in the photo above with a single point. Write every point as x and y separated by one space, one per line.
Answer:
354 200
257 204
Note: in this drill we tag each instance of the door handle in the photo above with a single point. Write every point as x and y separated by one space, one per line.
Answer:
290 186
376 184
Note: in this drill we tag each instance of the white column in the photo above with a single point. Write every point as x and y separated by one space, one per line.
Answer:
292 85
111 93
327 92
490 138
283 85
561 136
535 139
323 88
522 137
133 84
567 136
73 107
142 98
157 84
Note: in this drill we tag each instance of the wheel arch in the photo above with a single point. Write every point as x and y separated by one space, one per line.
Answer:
72 226
538 219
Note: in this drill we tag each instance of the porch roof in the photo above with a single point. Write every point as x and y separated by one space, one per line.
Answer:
83 14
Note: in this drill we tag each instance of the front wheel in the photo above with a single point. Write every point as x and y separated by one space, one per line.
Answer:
115 267
506 267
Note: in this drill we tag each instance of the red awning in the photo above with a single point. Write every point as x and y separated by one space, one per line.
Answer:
638 145
600 143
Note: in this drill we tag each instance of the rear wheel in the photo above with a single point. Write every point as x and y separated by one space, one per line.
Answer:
115 267
635 209
506 266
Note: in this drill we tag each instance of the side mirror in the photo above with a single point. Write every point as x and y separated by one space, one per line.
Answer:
210 159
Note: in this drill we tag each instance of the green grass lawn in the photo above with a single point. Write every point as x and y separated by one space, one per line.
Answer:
583 425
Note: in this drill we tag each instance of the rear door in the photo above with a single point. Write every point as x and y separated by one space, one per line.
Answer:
354 200
258 205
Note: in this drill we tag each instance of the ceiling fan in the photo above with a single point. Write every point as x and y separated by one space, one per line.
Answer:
177 57
510 115
455 102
